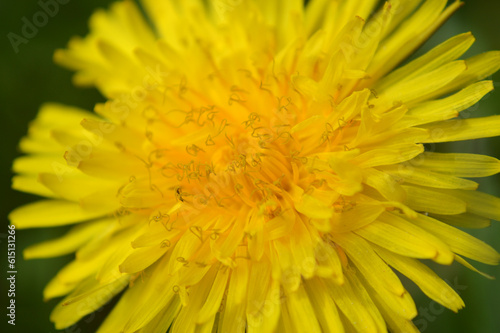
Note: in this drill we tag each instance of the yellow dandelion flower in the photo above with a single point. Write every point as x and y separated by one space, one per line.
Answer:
260 166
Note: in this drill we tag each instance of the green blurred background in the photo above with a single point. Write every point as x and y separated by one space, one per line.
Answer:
29 78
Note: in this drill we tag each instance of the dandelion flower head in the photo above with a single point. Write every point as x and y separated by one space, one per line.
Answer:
260 166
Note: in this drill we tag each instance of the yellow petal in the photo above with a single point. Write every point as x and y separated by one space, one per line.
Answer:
324 306
55 289
40 163
235 309
118 135
302 249
459 241
443 254
160 324
224 247
79 269
355 218
301 311
186 320
212 303
365 293
30 184
377 157
72 309
395 322
479 67
135 294
425 200
279 226
329 264
259 282
314 14
410 35
397 240
156 235
463 129
421 87
74 188
385 184
424 177
34 145
151 294
446 108
107 165
284 267
68 243
140 194
185 247
53 213
313 208
55 115
448 51
401 11
369 263
465 263
465 220
142 258
430 283
351 305
458 164
479 203
266 319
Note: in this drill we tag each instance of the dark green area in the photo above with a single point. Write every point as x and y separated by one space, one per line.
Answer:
29 78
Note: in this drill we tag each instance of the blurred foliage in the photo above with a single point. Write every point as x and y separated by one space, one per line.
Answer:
29 78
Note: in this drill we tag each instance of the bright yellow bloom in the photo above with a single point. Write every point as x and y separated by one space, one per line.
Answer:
260 164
